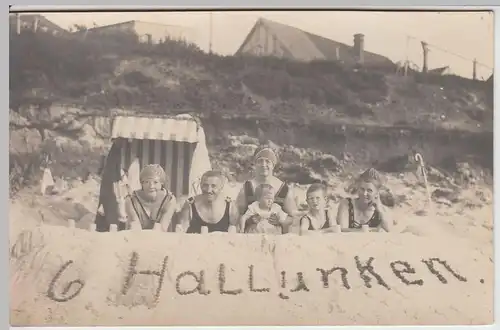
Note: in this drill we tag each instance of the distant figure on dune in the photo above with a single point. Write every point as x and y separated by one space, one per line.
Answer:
210 208
319 218
266 214
153 203
366 209
265 161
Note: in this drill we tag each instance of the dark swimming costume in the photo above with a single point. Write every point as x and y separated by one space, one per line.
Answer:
197 222
147 221
325 225
372 223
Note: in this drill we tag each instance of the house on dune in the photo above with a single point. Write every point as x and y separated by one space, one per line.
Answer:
147 32
269 38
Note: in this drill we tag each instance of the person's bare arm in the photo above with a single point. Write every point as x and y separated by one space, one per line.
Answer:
343 214
185 216
168 212
243 219
289 204
241 201
234 215
290 208
135 223
304 226
385 218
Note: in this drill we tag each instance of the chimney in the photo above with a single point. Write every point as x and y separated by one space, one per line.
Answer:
359 46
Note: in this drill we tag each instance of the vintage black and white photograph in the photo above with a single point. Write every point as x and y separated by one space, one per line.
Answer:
251 168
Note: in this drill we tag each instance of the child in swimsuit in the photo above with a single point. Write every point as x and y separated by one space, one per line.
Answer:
319 218
366 209
261 211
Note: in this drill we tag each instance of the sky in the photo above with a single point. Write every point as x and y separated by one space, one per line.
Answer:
466 34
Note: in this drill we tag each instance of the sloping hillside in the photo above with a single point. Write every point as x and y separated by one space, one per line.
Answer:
366 115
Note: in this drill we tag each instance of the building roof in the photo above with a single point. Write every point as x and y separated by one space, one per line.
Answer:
137 21
42 21
307 46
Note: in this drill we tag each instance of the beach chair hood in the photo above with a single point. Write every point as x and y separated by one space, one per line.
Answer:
177 143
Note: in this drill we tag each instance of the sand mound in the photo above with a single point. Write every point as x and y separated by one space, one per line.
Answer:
64 276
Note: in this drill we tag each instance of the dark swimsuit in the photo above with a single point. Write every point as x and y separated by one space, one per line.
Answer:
325 225
250 198
147 221
197 222
372 223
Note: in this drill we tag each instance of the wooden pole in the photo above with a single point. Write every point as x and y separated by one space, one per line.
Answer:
425 49
420 160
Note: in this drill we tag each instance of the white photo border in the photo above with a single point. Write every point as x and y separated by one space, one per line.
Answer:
35 5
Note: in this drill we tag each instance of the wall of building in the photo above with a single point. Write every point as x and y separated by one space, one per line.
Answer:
144 29
262 43
161 32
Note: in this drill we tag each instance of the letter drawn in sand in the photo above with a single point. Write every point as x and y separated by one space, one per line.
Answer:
200 287
407 270
369 268
251 281
283 285
67 288
222 282
301 285
132 272
326 273
430 263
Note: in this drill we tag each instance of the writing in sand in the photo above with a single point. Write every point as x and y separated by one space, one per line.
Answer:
190 282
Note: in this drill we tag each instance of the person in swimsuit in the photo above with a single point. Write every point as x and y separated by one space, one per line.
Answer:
366 209
265 161
209 209
319 218
151 204
264 209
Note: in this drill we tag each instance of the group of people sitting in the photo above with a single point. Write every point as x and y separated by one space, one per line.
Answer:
264 205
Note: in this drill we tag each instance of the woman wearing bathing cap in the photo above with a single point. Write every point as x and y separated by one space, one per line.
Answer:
366 209
153 203
265 160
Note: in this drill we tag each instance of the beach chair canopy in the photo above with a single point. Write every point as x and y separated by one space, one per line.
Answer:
177 143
